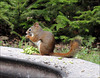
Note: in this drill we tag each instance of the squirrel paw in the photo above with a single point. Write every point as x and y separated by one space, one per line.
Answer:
27 36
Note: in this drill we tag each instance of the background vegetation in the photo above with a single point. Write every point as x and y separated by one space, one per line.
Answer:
64 18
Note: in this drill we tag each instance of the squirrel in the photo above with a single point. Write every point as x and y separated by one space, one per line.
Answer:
45 42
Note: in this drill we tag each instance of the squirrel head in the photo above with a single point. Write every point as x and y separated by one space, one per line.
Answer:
35 29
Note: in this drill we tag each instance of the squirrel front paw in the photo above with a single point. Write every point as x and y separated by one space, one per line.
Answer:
27 36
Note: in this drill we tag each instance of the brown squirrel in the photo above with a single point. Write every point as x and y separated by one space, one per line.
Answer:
45 42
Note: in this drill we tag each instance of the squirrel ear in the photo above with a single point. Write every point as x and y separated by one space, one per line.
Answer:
36 24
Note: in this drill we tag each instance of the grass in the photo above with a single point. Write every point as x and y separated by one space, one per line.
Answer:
92 56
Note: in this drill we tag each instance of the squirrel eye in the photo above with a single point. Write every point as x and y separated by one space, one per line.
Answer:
29 29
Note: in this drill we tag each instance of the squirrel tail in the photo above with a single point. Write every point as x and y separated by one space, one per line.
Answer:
73 50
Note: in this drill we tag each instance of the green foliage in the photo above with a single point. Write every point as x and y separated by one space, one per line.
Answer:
62 21
87 20
64 18
23 39
93 55
88 40
4 12
14 13
0 43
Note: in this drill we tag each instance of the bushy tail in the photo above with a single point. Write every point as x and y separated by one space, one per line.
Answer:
73 50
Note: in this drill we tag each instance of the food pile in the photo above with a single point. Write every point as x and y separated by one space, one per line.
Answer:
30 50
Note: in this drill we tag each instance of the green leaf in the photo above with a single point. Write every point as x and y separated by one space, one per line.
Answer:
47 18
60 58
86 30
